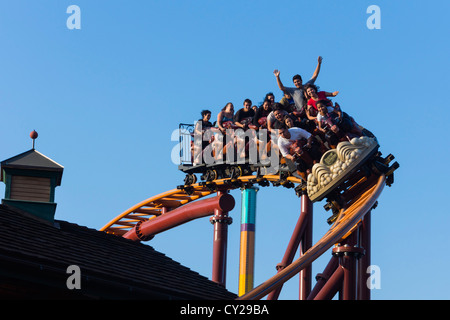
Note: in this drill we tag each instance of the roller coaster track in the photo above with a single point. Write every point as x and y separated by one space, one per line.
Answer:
347 220
344 225
164 202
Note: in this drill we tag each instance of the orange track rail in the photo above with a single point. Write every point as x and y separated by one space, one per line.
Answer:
345 224
153 207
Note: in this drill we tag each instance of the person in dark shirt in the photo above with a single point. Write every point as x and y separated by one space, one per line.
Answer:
244 116
204 122
202 129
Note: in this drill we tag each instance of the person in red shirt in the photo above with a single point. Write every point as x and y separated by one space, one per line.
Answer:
313 96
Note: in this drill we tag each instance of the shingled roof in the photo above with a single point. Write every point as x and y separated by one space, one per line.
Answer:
35 255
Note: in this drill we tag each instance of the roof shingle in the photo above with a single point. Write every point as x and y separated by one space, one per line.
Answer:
102 256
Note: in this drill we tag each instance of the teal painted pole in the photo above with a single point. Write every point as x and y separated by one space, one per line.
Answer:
247 244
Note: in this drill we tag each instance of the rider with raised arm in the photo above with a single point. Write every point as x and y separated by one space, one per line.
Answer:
297 92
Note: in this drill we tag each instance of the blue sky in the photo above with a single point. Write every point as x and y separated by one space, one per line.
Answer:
105 100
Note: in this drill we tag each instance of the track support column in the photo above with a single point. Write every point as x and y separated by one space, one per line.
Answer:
322 278
220 220
306 243
247 244
331 286
364 262
348 255
304 222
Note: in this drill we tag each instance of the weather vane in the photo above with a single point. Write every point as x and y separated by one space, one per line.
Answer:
33 135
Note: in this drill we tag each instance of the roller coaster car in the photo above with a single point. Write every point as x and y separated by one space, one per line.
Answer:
211 172
336 166
339 169
218 170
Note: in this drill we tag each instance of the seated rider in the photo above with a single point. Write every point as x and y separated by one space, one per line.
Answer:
244 117
206 116
327 123
297 93
346 122
275 119
271 97
260 118
201 127
288 103
290 122
336 124
203 124
225 118
314 96
300 147
225 139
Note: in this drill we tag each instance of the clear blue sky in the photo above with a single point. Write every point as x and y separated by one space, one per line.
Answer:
105 100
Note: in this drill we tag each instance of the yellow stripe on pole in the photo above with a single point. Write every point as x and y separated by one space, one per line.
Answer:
247 244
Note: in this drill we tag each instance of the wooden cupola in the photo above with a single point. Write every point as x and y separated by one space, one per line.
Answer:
31 179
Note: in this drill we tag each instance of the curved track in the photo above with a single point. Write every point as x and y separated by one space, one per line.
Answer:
345 223
164 202
343 226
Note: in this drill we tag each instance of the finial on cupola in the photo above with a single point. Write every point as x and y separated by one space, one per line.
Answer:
31 179
33 135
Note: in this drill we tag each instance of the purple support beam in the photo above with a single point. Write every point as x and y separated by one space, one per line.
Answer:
297 235
220 220
332 286
364 261
322 278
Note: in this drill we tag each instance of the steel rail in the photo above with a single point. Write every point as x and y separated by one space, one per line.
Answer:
153 206
347 219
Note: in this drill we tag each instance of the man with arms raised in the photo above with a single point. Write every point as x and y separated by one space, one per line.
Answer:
297 92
